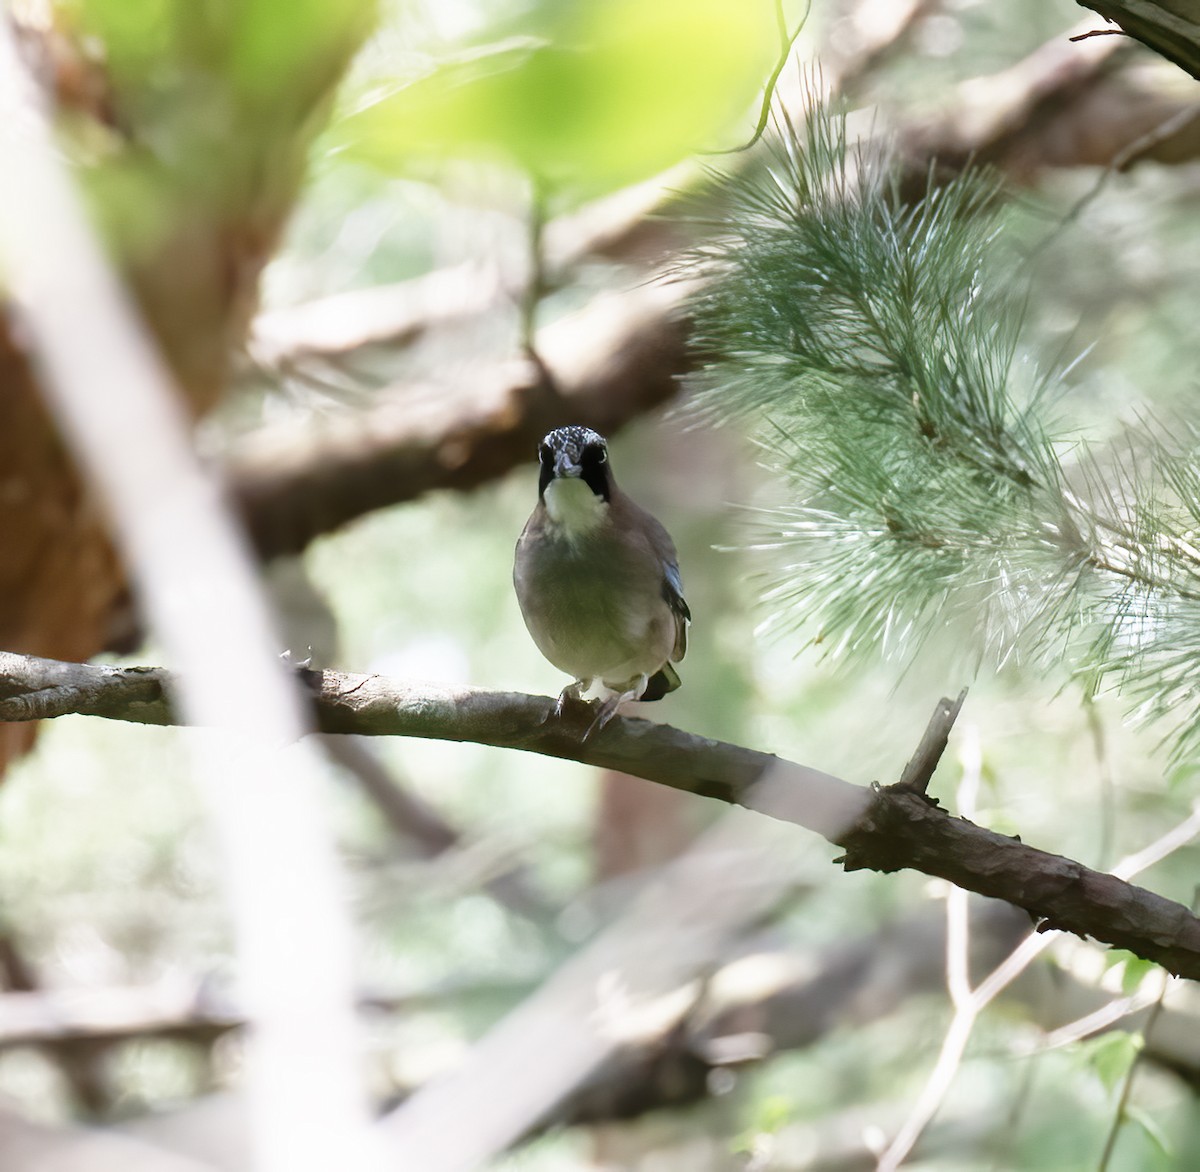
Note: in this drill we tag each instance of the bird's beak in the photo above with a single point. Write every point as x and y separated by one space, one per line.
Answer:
565 466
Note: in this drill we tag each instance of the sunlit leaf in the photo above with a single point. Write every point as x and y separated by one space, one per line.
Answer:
601 94
275 41
247 47
1111 1055
1133 971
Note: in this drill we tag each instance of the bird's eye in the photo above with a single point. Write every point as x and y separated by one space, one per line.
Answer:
595 454
543 452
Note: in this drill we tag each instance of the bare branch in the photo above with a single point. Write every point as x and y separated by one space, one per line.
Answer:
25 1145
919 771
610 363
880 829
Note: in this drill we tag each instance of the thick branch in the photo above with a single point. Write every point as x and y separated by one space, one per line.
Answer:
1170 27
608 364
881 830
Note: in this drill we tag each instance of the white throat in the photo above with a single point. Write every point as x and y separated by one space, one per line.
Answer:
573 508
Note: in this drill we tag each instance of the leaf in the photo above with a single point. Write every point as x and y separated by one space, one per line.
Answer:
1135 969
592 93
275 42
255 48
1153 1132
1111 1055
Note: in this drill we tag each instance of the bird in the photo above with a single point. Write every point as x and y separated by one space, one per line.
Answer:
597 579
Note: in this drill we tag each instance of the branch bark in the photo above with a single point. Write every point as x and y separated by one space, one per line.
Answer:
1170 27
880 829
608 364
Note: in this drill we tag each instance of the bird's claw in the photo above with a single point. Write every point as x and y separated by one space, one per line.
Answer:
607 710
290 659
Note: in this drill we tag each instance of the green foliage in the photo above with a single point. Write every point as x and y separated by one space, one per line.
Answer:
879 350
1111 1056
211 105
250 49
587 94
1134 969
1153 1132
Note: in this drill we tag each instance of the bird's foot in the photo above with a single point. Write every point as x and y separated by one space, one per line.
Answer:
608 708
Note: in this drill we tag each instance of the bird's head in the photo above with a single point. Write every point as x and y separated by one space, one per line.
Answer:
575 452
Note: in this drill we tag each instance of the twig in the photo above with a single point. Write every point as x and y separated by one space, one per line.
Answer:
1110 1141
967 1006
919 770
1122 161
1106 799
786 41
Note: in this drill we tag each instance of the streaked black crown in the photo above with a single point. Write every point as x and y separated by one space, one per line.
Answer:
585 448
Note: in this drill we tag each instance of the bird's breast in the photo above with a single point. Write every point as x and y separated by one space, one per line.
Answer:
593 605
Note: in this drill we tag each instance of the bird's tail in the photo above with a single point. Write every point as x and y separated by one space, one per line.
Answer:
665 680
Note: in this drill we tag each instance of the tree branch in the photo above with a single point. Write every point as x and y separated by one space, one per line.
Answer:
920 768
1170 27
613 361
880 829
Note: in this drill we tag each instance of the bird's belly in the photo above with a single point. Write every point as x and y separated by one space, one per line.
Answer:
591 624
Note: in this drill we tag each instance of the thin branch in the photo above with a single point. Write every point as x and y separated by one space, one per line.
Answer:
1122 1109
967 1006
786 41
881 829
1171 30
1099 32
919 771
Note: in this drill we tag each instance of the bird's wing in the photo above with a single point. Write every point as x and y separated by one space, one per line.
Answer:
672 589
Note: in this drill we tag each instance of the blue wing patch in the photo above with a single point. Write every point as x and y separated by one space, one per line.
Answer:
672 590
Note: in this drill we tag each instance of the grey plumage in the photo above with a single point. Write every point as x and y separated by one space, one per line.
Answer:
597 578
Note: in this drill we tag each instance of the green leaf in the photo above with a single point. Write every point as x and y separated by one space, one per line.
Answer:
592 93
195 51
1153 1132
1134 968
1135 971
1111 1055
274 42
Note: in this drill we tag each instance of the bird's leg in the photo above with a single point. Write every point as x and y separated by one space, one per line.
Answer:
608 709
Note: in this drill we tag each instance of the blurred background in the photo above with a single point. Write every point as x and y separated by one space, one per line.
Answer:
359 234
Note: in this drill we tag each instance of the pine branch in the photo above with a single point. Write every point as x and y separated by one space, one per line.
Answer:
878 349
880 829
